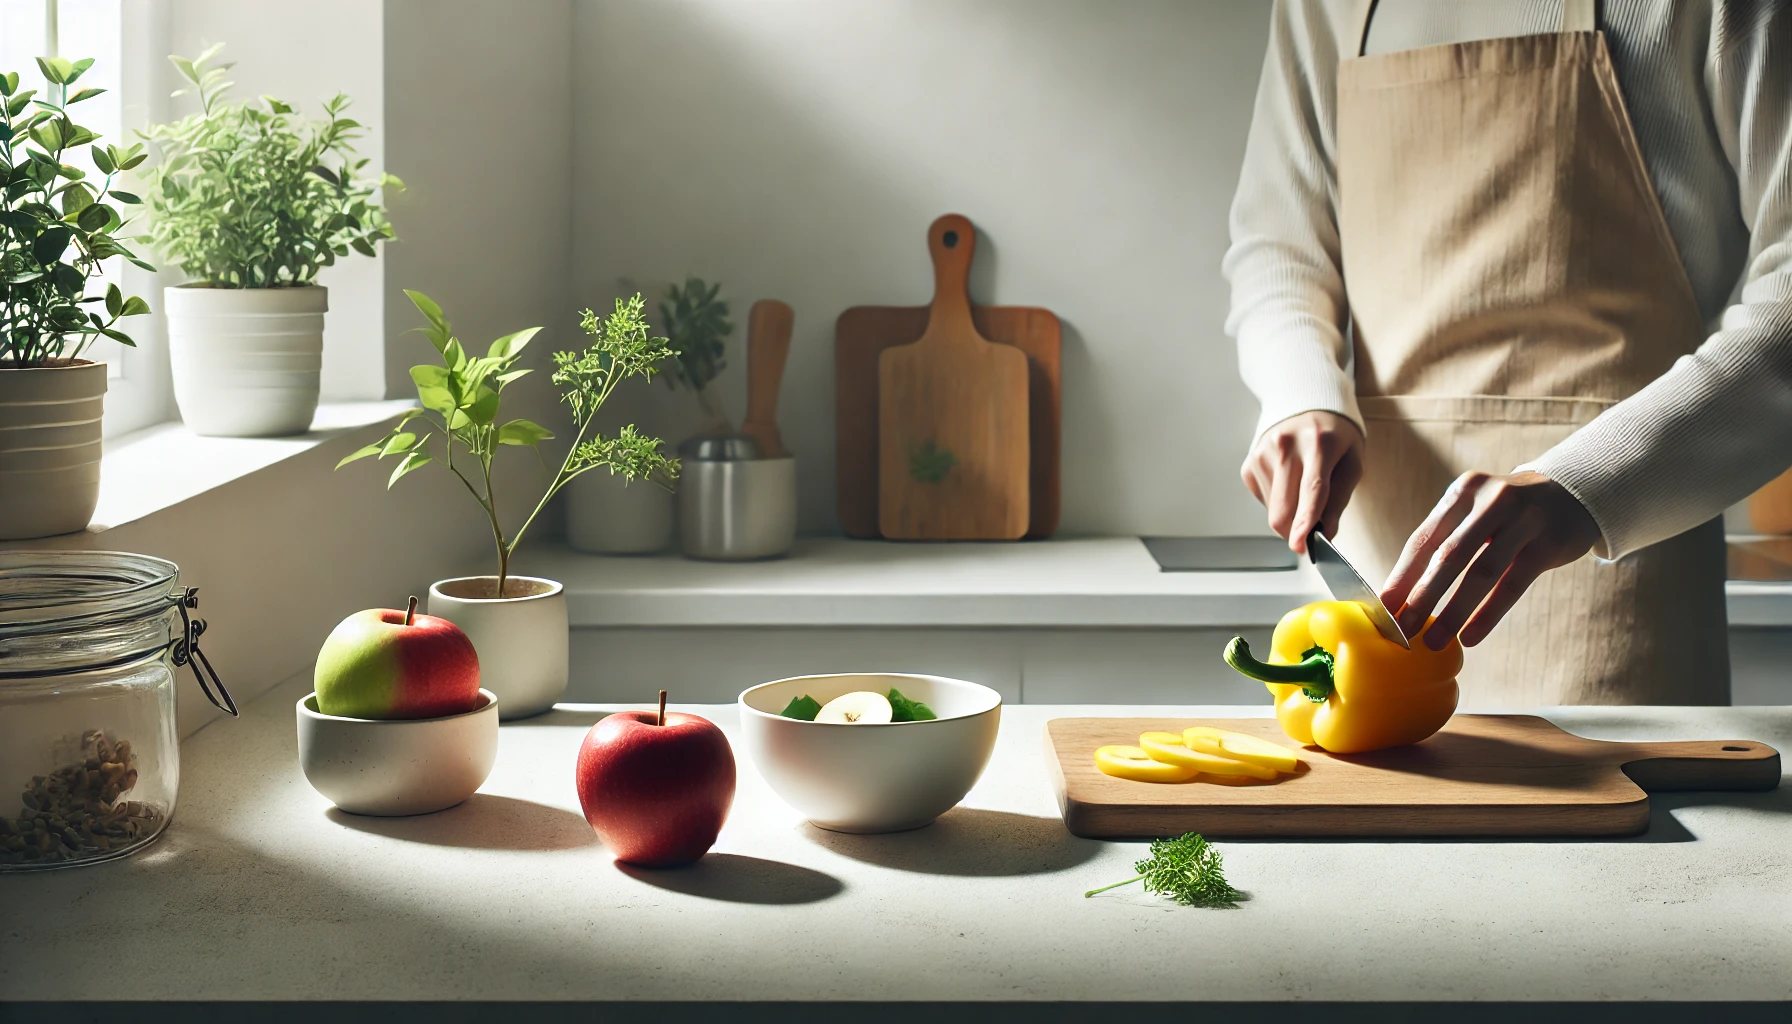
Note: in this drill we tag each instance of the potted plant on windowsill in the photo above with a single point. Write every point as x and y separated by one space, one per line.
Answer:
518 624
57 227
250 200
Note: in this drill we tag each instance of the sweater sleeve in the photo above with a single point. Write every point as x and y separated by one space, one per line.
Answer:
1288 309
1718 424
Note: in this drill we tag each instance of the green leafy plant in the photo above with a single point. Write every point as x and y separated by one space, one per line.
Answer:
251 195
929 463
56 226
1187 869
697 328
461 398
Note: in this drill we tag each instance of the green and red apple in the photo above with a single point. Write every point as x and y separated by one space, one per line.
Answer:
387 663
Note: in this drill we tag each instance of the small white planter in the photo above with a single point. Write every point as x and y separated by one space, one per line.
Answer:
607 515
49 448
522 641
246 360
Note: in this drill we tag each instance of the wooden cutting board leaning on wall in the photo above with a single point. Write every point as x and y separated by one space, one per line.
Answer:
861 335
952 418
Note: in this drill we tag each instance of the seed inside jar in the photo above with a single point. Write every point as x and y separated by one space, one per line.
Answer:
77 811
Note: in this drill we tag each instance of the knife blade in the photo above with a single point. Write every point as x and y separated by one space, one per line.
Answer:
1346 584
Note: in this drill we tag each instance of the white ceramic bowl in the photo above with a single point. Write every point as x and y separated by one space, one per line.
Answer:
400 765
872 778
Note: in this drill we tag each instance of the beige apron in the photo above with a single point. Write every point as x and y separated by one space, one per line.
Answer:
1510 277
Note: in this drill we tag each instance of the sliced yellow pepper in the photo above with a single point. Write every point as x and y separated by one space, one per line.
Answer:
1342 686
1125 762
1240 747
1168 748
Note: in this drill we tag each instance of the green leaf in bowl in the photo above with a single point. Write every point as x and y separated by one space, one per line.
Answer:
904 710
803 709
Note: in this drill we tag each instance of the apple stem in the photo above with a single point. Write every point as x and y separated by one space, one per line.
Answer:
410 611
662 720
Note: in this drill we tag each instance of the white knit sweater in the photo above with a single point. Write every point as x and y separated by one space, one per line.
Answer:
1709 87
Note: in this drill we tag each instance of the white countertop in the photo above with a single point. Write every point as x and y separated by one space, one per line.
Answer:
260 891
1092 582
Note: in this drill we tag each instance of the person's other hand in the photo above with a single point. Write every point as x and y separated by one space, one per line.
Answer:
1496 534
1303 470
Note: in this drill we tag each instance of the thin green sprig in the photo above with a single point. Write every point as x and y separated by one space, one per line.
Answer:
460 399
1187 869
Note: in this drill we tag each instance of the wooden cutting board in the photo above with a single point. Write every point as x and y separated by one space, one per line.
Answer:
952 417
1483 775
862 333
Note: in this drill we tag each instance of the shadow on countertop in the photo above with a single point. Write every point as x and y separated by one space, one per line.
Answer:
734 878
967 841
482 822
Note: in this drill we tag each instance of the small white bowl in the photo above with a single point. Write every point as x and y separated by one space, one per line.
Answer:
401 765
872 778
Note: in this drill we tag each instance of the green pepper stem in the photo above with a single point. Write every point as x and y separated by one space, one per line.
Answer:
1314 674
1116 885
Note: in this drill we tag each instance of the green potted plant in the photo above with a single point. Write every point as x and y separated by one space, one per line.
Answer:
604 514
697 330
58 226
518 623
251 200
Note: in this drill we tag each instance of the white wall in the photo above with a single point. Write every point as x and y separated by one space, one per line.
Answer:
478 109
799 149
334 47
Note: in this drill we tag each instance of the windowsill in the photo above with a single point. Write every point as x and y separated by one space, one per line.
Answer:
152 469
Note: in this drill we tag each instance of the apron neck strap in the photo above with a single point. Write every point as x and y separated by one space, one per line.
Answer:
1577 16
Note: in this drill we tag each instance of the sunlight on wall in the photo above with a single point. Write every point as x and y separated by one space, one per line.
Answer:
799 148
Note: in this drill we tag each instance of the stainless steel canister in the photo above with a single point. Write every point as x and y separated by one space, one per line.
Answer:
733 505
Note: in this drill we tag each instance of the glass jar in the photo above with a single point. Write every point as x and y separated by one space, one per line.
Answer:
89 754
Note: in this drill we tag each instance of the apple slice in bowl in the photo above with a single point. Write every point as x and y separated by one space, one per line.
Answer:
871 775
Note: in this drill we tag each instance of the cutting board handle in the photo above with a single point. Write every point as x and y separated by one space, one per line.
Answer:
1715 765
952 240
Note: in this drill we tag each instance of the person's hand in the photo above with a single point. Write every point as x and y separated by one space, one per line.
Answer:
1303 470
1497 534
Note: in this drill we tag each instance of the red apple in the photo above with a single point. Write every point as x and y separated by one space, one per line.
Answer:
386 663
656 794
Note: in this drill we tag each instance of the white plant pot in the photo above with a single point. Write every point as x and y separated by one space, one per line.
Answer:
608 515
522 642
246 360
49 448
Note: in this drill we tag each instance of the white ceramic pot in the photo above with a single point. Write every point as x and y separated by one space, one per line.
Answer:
608 515
872 778
522 641
399 765
49 448
246 360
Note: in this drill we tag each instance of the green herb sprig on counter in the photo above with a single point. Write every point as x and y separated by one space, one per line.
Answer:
805 708
1187 869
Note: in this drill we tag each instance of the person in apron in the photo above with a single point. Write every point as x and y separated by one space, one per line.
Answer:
1510 276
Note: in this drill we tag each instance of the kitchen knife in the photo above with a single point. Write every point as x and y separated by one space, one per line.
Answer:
1346 584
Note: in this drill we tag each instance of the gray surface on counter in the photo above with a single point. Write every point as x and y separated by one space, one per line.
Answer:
261 891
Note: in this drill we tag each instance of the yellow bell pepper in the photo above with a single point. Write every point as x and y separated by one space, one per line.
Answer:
1342 686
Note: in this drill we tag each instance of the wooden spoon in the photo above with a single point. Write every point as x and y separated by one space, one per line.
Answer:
768 346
